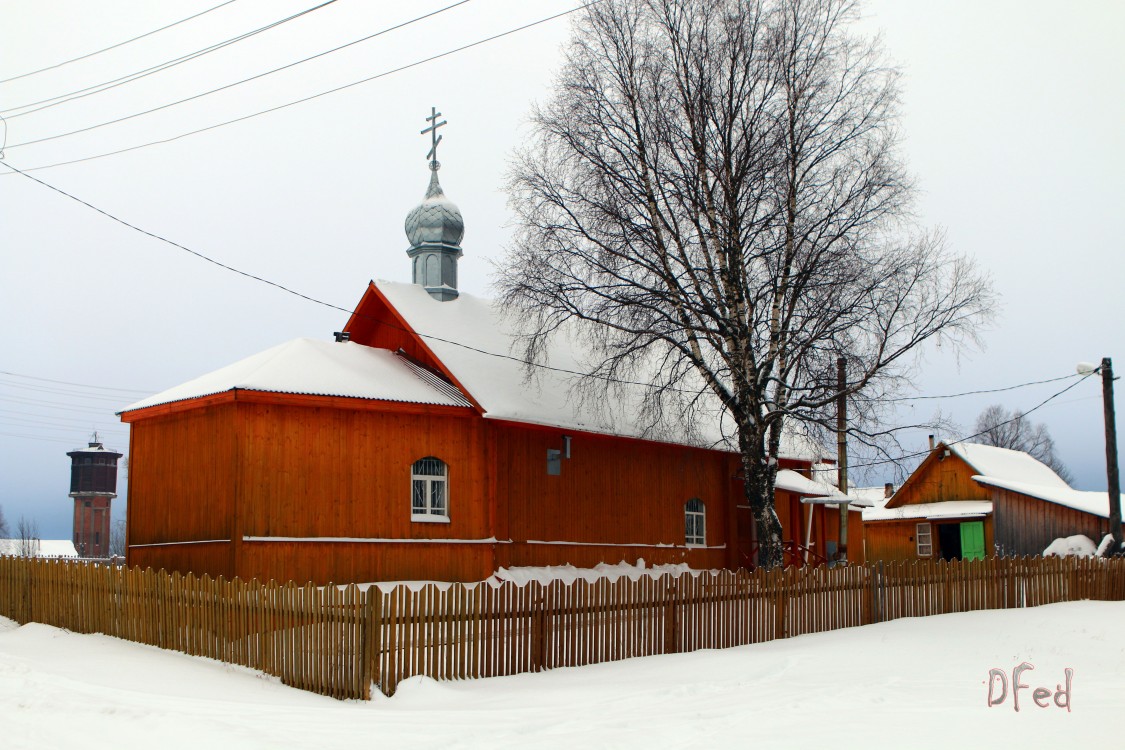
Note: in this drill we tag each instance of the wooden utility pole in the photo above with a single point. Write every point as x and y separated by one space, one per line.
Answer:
1111 455
842 452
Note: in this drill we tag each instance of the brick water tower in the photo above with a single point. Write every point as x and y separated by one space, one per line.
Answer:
93 485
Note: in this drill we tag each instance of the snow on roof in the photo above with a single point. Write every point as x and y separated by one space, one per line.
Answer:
1095 503
1006 465
39 547
944 509
791 481
869 497
94 448
319 368
500 384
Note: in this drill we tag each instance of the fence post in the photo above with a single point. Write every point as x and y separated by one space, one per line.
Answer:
372 625
671 620
781 603
28 597
538 635
877 592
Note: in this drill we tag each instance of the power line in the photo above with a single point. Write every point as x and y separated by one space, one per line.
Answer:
80 385
36 388
1019 415
137 75
987 390
25 423
115 46
307 98
71 422
244 80
323 303
57 405
429 336
37 437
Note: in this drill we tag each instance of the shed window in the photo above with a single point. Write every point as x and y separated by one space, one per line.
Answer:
695 522
923 540
429 496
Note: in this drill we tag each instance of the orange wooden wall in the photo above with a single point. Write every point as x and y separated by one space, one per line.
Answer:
894 540
181 489
266 470
611 491
939 479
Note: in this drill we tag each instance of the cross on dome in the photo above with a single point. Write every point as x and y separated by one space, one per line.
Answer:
435 228
435 165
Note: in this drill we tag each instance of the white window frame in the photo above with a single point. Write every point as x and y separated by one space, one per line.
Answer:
430 513
924 548
695 520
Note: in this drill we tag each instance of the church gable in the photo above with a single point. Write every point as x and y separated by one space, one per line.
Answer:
378 324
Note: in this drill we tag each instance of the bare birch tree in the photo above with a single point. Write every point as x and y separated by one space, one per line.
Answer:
1012 429
714 193
117 537
27 536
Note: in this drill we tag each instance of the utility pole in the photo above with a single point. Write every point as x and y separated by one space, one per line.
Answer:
1111 455
842 453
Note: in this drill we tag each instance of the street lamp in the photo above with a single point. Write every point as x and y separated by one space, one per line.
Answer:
1114 489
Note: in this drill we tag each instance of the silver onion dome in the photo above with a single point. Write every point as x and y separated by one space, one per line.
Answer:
436 220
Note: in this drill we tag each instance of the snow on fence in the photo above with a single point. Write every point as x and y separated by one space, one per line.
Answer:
341 641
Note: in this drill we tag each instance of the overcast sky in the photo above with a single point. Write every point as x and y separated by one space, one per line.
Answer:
1012 124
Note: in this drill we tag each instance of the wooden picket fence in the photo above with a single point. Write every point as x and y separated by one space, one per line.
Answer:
339 641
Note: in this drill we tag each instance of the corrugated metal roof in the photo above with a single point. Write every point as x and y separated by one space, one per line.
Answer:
319 368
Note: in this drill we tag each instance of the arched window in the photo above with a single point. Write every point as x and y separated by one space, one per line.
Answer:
433 271
695 522
429 496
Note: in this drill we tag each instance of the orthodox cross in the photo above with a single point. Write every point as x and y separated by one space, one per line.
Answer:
434 137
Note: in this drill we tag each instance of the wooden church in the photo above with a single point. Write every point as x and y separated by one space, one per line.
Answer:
414 448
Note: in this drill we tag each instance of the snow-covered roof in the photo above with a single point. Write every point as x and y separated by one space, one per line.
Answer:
944 509
791 481
94 448
39 547
500 384
1007 465
320 368
1095 503
869 497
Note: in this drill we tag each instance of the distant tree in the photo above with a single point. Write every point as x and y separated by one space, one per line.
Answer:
27 536
3 525
117 538
1011 429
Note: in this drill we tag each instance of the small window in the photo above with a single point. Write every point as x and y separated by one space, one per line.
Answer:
554 462
695 523
429 497
924 541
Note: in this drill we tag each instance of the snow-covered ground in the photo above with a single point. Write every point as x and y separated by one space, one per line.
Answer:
913 683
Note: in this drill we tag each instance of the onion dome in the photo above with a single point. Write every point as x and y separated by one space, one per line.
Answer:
436 220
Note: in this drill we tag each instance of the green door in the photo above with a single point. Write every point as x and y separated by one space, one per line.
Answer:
972 540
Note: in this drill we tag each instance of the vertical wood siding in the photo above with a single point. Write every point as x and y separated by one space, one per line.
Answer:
182 475
939 479
1027 525
274 473
611 491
